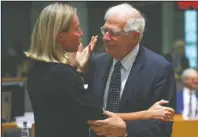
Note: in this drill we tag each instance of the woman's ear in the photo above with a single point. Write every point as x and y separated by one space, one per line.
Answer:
59 37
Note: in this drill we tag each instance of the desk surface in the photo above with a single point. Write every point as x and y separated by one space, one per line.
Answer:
13 125
184 128
7 125
12 79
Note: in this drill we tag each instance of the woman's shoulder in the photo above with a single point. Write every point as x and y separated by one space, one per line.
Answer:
56 70
63 71
61 68
52 66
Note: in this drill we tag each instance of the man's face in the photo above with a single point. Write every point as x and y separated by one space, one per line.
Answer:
70 40
117 42
192 81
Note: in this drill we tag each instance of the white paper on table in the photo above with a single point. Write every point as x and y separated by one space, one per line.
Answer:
85 86
26 118
29 116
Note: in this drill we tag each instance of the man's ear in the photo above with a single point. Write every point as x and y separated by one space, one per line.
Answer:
136 35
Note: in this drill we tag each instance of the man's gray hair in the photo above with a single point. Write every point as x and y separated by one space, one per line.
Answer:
136 25
188 72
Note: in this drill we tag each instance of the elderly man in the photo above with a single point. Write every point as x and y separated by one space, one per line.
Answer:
130 77
187 98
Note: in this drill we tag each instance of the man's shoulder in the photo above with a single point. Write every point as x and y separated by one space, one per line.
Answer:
180 92
99 56
153 59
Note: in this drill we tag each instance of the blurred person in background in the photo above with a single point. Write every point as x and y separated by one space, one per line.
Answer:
12 62
177 57
187 98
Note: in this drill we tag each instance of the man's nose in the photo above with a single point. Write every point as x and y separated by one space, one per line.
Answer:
106 36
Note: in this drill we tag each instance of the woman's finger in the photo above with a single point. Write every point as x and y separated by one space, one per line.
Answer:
162 102
92 44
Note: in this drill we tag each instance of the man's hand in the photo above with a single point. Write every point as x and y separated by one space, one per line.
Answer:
112 126
83 55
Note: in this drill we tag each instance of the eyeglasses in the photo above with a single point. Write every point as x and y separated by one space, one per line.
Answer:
112 32
131 23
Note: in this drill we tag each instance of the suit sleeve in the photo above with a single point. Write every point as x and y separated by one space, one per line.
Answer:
179 102
83 104
164 88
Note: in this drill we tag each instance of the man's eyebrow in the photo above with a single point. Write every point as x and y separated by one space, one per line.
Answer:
113 29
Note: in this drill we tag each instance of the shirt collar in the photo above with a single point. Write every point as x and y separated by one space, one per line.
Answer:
129 59
188 91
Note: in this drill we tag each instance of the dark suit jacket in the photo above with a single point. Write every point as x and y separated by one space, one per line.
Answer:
151 79
180 102
60 103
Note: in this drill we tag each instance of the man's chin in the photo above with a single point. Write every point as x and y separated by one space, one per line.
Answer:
109 48
108 51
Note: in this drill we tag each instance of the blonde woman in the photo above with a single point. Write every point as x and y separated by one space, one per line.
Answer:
60 103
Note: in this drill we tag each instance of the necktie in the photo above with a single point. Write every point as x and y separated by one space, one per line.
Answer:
114 89
190 106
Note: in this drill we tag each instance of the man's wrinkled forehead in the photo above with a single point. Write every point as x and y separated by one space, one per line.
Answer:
116 22
118 17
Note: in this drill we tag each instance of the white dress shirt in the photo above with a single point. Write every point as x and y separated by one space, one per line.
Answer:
186 99
127 63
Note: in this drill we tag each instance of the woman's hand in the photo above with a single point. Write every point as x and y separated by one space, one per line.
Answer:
159 112
83 55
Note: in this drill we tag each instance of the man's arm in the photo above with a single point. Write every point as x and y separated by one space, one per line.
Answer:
164 88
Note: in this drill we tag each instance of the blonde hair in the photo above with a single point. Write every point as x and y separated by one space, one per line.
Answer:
53 19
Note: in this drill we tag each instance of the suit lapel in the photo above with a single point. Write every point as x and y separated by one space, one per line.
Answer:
197 94
131 86
134 79
182 101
